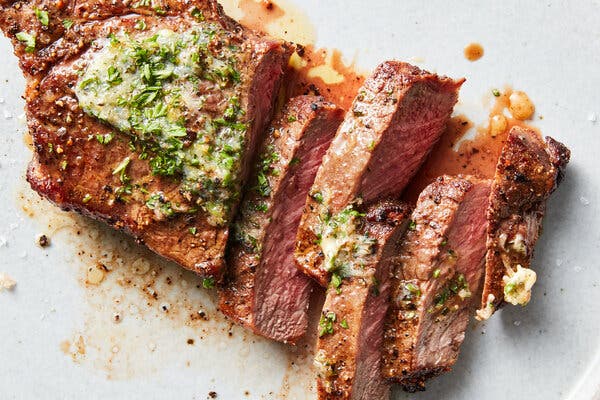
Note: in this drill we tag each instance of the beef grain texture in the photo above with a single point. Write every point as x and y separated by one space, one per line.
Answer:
395 120
264 290
76 173
437 282
349 358
528 171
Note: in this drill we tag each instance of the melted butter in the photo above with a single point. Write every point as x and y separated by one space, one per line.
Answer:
282 19
345 248
455 154
324 72
473 51
317 71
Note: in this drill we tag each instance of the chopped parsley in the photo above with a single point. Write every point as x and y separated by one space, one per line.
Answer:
67 23
436 273
105 139
318 197
193 230
121 170
326 323
28 40
208 283
336 282
42 16
413 289
344 324
412 225
146 86
140 25
197 13
158 202
265 168
86 198
292 118
496 92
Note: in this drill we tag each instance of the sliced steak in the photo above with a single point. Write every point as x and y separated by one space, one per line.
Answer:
397 117
145 116
527 173
349 348
265 291
438 278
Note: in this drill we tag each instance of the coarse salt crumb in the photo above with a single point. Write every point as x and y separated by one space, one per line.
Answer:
577 268
593 118
584 201
140 266
151 346
559 262
95 275
1 100
115 349
517 323
3 241
6 282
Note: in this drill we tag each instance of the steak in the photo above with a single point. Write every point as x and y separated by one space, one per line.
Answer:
396 118
265 291
349 348
527 173
437 282
145 115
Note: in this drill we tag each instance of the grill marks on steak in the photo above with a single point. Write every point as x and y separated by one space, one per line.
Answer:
75 171
528 171
396 118
438 278
265 291
349 357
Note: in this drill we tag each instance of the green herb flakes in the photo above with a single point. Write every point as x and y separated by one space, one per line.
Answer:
326 323
28 40
67 23
208 283
42 16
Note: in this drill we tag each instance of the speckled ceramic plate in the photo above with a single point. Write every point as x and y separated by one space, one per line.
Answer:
146 331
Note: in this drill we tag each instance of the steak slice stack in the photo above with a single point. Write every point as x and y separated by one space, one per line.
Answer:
145 116
265 291
437 282
396 118
349 353
527 173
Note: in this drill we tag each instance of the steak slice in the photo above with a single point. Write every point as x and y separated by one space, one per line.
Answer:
438 278
265 291
351 327
145 117
527 173
396 118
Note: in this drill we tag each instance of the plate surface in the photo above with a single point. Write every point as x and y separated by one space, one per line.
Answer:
58 335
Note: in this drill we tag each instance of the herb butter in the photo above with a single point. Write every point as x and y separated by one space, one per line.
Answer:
177 100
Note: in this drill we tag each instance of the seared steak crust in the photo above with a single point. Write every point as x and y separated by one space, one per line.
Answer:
264 290
396 118
349 355
528 171
111 179
438 275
